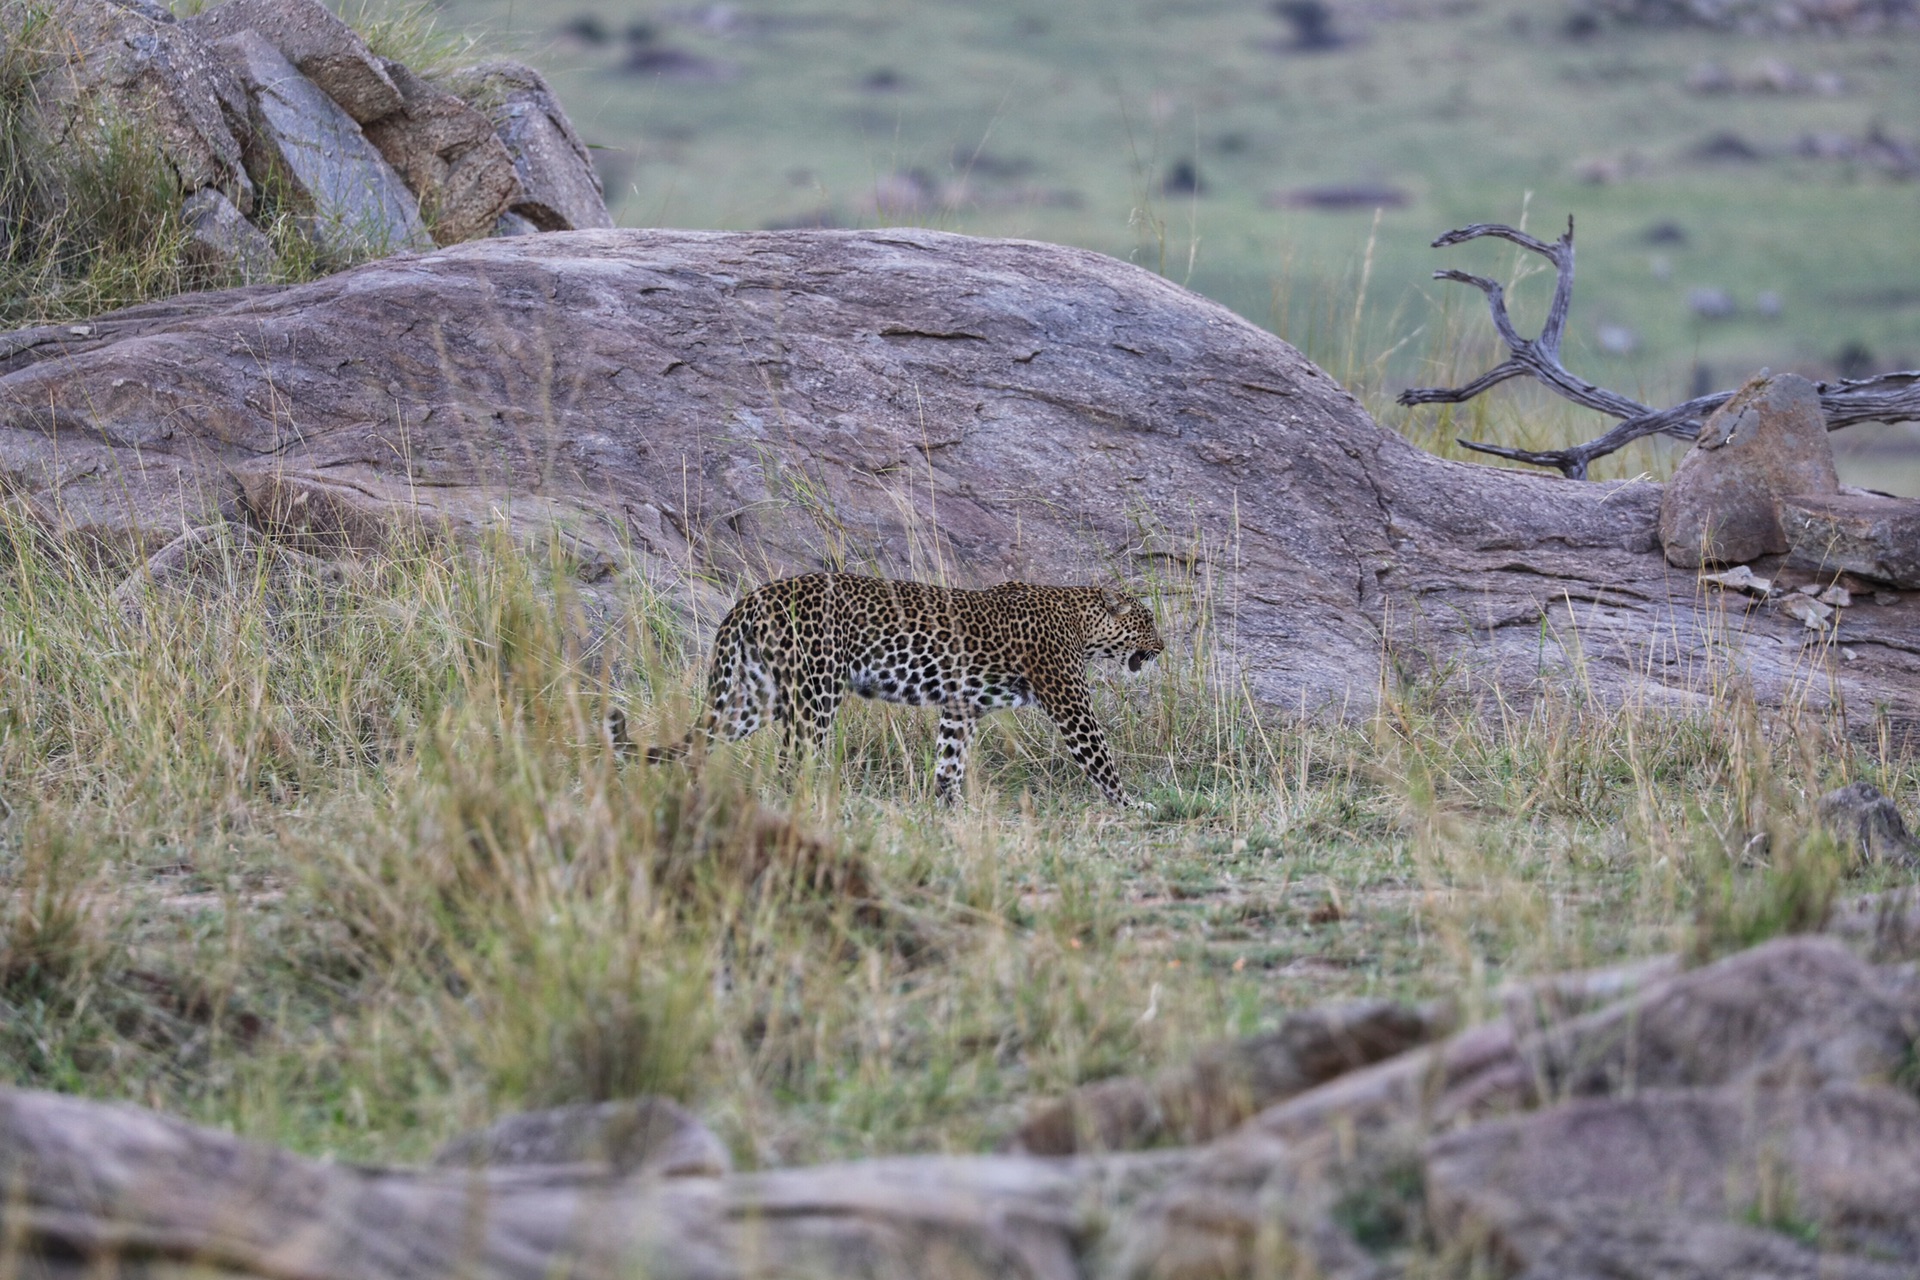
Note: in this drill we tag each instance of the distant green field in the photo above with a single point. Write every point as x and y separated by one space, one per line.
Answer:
1064 120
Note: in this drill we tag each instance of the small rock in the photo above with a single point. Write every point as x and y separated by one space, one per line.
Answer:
1810 611
1859 815
1617 339
1886 599
1740 578
1807 589
219 235
1837 596
1724 502
1710 303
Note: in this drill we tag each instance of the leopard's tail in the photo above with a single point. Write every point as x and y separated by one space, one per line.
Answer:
726 679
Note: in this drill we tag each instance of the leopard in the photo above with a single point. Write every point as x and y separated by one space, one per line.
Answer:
800 645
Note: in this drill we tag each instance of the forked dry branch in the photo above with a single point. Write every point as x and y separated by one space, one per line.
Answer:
1887 397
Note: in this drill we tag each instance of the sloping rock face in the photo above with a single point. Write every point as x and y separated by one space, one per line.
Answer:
326 50
740 406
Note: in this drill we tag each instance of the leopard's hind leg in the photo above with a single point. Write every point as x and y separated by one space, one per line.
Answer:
739 686
957 721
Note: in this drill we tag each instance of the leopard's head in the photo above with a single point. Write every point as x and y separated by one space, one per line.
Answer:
1121 627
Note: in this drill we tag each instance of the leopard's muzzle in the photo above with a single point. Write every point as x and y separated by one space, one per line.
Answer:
1139 658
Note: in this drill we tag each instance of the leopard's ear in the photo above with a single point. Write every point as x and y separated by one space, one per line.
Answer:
1116 601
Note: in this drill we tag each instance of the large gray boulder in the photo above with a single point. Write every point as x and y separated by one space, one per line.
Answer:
559 187
707 407
1831 1174
355 205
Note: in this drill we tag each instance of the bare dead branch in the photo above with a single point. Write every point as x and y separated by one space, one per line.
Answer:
1888 397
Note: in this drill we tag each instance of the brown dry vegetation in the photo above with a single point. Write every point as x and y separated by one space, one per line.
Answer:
350 864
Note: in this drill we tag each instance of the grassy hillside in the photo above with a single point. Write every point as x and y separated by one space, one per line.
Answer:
1065 121
349 865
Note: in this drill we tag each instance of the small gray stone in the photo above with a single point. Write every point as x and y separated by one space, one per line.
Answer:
219 235
512 224
326 50
355 205
1859 815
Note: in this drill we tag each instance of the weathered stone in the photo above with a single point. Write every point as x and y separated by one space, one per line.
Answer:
1883 927
1795 1011
559 189
1723 504
512 224
1225 1084
450 157
1860 816
649 1135
1867 534
324 49
1841 1163
104 66
661 394
95 1188
1666 1248
354 204
219 235
1793 1015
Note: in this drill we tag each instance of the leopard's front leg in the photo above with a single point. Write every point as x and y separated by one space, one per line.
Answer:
1064 696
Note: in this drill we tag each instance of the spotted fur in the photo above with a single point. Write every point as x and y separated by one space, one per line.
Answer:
801 644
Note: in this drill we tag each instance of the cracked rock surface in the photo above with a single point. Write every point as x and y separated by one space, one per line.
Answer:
902 401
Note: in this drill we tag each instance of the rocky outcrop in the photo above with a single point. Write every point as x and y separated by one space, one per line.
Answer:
284 92
303 143
450 156
325 50
1646 1122
559 188
696 407
1723 505
102 65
